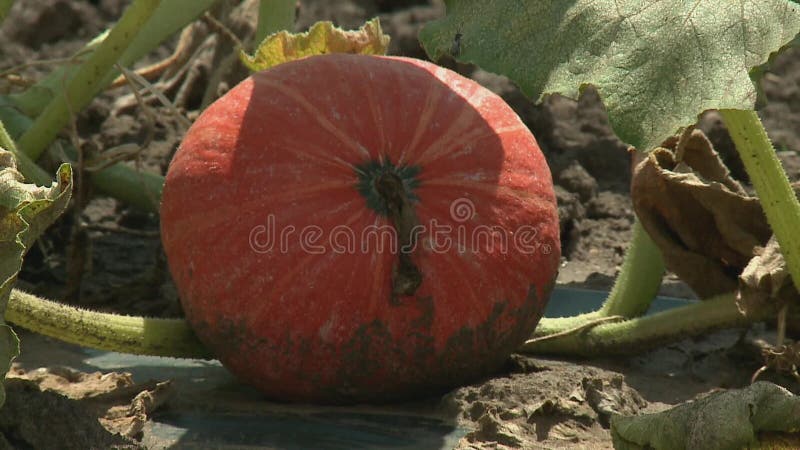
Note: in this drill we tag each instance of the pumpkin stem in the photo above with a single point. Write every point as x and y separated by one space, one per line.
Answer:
406 276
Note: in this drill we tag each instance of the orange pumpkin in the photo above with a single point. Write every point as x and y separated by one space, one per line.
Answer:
349 228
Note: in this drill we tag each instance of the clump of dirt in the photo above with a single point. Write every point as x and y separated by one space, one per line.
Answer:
545 403
95 410
561 403
28 411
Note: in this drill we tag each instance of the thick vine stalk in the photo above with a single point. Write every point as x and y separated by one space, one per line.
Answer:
87 80
5 6
168 18
770 182
633 292
104 331
638 280
31 170
643 333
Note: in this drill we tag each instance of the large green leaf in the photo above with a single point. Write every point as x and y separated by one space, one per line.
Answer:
730 419
656 63
26 210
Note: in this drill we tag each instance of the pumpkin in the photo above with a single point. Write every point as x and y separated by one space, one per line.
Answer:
351 228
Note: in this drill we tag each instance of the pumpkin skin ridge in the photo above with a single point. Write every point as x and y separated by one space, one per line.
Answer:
345 167
319 116
432 97
446 150
396 324
224 215
457 135
432 100
257 311
377 119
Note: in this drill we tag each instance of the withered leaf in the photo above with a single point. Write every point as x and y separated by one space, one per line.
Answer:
765 282
705 224
737 418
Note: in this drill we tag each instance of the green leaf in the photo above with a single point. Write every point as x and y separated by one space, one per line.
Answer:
26 210
657 64
730 419
320 39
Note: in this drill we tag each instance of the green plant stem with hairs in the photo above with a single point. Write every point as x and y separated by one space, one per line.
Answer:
5 6
770 182
104 331
627 337
639 278
86 82
167 19
634 289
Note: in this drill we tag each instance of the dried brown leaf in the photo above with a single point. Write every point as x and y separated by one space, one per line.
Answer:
765 282
703 221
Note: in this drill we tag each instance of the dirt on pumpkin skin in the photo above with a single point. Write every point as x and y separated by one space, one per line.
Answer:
114 261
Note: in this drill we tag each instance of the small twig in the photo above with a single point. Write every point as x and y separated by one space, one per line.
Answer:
758 373
781 357
43 62
123 152
782 314
151 118
220 28
131 76
577 329
149 88
189 71
17 80
79 246
179 56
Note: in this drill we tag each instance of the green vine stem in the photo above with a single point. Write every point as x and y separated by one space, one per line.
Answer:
136 188
5 6
87 80
168 18
643 333
25 165
133 187
5 140
638 280
769 180
104 331
634 289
